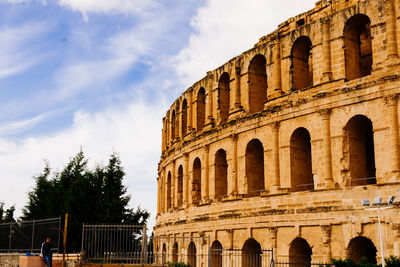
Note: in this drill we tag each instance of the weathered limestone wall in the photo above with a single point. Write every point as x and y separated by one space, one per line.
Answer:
312 128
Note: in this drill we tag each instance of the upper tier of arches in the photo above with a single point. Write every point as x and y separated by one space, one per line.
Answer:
295 57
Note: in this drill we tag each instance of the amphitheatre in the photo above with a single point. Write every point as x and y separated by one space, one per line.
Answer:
275 149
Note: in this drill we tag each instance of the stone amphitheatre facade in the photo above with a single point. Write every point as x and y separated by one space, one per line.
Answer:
276 148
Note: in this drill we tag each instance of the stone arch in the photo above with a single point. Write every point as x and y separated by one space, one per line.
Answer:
255 167
169 191
192 254
216 254
258 83
251 253
184 116
300 161
359 151
224 96
173 125
361 247
221 174
358 46
302 67
201 108
180 186
300 251
164 253
175 252
196 181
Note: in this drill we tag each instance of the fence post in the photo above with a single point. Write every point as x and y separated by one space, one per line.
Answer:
33 234
144 245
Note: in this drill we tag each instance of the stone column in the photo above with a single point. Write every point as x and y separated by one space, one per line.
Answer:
174 187
326 50
327 150
206 173
189 111
167 129
163 140
159 194
186 180
235 109
234 181
326 242
391 31
209 100
273 233
276 184
392 102
277 76
165 190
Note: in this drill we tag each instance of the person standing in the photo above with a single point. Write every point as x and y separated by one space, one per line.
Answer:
46 252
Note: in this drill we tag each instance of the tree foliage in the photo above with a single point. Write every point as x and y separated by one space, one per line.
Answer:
88 196
7 215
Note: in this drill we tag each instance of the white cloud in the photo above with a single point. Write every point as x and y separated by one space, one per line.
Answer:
225 28
107 6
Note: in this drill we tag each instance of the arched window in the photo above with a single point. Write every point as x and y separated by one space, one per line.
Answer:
164 253
255 167
302 71
300 252
173 124
300 161
361 247
169 191
358 150
224 96
192 254
251 254
180 186
258 84
175 253
358 46
184 118
221 174
196 182
201 108
216 254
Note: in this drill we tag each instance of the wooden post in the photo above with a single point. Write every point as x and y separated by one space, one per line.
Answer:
65 238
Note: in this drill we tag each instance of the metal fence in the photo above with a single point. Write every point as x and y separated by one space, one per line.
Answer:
293 264
114 244
28 236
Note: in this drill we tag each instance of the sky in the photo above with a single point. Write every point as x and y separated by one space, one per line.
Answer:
99 75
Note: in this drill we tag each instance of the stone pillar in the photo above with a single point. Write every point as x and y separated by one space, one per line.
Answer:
230 237
273 233
174 186
189 111
277 76
276 183
391 31
167 129
163 141
234 181
326 50
179 135
205 196
186 180
392 102
159 194
326 242
165 190
395 227
209 100
237 105
327 150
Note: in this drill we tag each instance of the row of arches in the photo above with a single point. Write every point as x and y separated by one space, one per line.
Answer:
358 63
358 155
252 254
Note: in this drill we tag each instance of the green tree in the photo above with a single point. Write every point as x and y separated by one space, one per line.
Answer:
7 215
88 196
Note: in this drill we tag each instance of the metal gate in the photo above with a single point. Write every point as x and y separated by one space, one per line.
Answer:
241 258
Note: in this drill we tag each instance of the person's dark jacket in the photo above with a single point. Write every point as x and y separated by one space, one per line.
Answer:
46 249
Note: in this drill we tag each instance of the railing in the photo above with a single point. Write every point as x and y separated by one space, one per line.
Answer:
304 187
28 236
294 264
362 181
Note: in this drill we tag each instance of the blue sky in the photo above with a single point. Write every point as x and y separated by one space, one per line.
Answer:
100 74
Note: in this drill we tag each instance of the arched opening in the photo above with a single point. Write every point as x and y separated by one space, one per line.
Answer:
255 167
359 151
224 96
216 254
201 108
302 68
180 186
175 253
169 191
192 254
358 46
258 84
184 117
361 247
251 254
221 174
300 251
300 161
164 253
173 124
196 183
